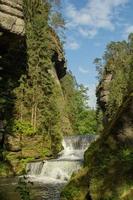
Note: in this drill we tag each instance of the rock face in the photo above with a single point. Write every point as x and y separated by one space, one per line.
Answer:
11 16
103 91
65 123
12 53
107 172
58 72
13 62
113 150
122 126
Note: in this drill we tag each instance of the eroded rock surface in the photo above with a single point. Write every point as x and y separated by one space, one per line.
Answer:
11 16
122 126
13 62
103 91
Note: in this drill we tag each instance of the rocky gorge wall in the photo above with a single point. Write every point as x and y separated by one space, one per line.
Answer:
16 151
11 16
12 66
108 166
107 172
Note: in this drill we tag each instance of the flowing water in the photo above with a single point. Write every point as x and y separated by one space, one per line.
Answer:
49 177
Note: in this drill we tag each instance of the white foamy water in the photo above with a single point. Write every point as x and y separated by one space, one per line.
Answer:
69 160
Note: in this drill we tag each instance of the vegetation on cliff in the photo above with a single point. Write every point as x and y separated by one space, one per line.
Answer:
29 105
38 100
116 62
107 172
81 116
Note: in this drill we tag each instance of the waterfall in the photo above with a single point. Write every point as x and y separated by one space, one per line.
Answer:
69 160
75 146
79 142
60 170
34 168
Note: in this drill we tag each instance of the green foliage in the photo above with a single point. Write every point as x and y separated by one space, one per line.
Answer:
87 122
3 169
56 20
99 68
99 119
23 127
23 189
117 60
54 126
71 192
28 102
77 186
68 85
36 106
109 160
112 172
40 82
82 118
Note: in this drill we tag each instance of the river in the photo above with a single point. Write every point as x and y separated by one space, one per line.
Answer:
49 177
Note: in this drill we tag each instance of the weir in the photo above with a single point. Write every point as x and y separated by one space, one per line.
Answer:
69 160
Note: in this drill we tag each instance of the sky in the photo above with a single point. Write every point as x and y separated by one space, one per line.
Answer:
90 26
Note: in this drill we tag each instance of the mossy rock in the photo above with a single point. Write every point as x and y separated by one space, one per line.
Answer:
77 188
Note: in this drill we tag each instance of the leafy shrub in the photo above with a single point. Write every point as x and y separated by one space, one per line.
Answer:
23 127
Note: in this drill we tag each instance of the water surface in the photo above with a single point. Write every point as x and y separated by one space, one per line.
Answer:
49 177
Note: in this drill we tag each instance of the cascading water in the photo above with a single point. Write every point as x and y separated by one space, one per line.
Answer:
34 169
49 177
69 160
52 175
75 146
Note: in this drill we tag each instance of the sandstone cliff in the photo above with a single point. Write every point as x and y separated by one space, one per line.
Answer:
11 16
13 62
103 91
107 172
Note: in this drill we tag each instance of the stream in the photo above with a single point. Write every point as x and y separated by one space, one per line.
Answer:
49 177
